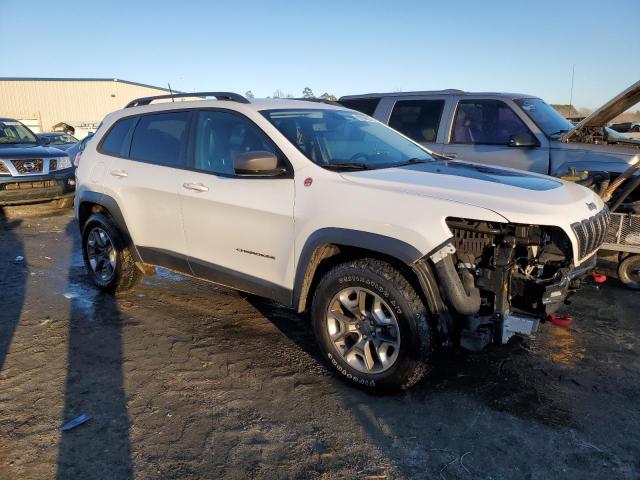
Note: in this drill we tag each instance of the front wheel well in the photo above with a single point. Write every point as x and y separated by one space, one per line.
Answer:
327 256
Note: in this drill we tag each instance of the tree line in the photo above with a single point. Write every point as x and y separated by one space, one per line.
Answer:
306 93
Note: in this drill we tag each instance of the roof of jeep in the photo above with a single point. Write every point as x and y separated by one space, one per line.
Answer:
7 119
253 104
451 91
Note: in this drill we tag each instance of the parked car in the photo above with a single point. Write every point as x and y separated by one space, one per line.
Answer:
75 151
30 171
511 130
522 131
392 250
60 140
625 127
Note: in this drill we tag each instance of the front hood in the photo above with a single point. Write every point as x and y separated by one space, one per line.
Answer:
519 197
603 115
15 152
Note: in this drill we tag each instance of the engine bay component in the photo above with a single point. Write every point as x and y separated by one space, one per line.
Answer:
504 279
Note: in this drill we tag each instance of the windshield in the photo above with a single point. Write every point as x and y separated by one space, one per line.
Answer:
345 138
544 116
13 132
62 139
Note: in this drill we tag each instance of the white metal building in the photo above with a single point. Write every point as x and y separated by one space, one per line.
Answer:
82 103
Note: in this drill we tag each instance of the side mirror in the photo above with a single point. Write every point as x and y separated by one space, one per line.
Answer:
45 141
523 140
258 162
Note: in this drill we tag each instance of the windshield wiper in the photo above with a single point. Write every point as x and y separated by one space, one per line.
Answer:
411 161
558 132
347 166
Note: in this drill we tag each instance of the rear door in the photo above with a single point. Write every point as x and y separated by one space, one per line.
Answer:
239 229
146 178
483 131
419 119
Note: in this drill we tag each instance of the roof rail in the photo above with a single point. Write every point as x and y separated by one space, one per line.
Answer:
233 97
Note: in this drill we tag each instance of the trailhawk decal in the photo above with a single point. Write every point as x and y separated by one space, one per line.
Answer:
257 254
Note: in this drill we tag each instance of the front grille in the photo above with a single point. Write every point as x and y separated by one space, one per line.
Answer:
28 166
3 169
591 232
624 229
53 164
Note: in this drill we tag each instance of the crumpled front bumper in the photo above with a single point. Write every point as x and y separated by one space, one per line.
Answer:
37 188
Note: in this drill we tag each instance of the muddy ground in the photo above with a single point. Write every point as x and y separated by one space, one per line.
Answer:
183 379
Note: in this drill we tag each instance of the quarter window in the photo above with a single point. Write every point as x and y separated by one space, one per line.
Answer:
114 141
486 122
160 138
364 105
221 137
417 119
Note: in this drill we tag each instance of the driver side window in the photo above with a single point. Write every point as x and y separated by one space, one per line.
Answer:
486 122
221 137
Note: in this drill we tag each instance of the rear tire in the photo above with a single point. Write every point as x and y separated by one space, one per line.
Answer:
629 272
109 262
371 325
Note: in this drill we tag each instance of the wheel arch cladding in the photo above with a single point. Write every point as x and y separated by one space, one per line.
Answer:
328 242
87 203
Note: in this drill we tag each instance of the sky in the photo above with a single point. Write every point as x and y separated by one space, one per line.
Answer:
341 47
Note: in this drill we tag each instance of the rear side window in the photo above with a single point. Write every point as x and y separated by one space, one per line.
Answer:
417 119
161 138
364 105
115 139
486 122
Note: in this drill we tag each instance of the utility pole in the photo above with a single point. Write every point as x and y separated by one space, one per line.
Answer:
573 74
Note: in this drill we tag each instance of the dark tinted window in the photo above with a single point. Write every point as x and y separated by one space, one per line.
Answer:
114 140
487 122
160 138
221 136
417 119
364 105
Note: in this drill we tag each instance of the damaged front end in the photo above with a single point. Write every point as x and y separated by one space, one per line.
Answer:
502 279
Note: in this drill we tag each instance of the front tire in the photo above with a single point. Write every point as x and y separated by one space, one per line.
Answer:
629 272
62 203
109 262
371 326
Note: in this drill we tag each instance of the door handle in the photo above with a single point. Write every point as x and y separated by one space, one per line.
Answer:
119 173
197 187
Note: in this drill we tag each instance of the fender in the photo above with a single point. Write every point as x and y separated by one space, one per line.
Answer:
110 204
308 260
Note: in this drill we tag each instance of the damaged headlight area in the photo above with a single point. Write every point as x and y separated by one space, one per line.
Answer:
501 279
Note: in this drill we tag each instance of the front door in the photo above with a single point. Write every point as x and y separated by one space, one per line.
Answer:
239 229
488 131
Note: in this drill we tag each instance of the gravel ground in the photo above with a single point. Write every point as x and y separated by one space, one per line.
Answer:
183 379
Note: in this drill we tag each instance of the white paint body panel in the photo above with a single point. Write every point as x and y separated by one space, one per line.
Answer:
276 217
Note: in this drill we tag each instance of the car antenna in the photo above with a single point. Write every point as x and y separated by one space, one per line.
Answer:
171 92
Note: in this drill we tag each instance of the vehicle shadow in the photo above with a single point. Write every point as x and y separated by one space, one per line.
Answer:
99 448
465 395
13 278
498 377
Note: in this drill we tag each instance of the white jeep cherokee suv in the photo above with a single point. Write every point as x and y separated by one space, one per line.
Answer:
393 250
